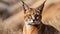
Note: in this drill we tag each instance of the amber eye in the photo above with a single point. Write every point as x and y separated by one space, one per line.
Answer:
36 17
29 16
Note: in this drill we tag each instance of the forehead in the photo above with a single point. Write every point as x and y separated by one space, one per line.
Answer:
30 11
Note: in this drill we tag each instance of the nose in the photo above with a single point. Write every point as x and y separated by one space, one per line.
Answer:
33 20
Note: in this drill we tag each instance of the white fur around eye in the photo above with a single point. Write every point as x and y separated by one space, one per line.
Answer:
37 17
37 13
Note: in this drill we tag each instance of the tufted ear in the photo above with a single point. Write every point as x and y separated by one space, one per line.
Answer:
25 6
40 8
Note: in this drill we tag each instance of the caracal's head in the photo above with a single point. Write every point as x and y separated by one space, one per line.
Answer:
33 16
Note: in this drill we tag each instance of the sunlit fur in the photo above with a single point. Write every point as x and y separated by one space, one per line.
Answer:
51 14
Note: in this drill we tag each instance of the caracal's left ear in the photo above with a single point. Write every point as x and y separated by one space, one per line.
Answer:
40 8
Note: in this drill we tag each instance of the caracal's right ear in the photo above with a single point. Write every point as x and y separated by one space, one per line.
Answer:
40 8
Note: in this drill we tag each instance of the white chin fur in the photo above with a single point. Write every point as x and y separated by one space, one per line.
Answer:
27 22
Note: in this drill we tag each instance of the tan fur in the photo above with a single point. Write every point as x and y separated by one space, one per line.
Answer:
29 29
51 14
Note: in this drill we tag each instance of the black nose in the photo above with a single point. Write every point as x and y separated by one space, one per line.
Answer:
33 19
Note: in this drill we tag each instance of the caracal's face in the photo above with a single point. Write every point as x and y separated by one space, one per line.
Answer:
32 17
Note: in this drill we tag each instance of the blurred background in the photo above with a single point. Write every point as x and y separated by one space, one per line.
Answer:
11 16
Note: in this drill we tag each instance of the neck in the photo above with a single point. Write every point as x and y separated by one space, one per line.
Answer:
29 29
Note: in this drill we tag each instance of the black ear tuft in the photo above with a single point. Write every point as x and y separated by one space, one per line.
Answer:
25 6
40 8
